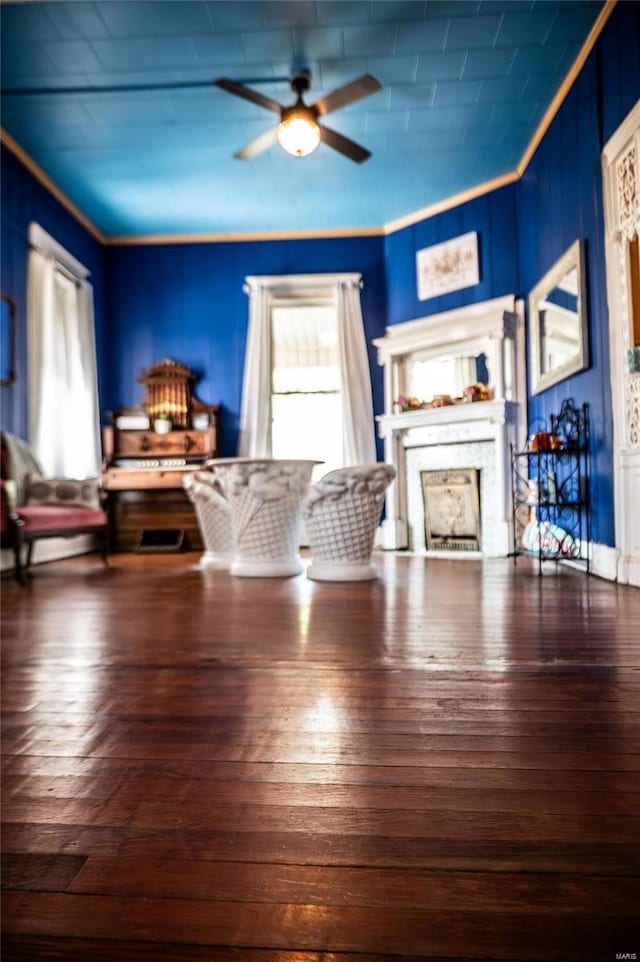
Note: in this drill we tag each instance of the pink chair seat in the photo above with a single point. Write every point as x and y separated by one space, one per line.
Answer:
53 518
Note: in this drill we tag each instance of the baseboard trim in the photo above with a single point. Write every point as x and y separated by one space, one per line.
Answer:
53 549
629 572
604 561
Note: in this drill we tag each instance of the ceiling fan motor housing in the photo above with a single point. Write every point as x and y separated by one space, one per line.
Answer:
300 82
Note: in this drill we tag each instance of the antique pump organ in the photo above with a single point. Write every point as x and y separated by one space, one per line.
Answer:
147 452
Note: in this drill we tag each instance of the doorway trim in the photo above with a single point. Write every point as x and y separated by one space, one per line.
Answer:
621 198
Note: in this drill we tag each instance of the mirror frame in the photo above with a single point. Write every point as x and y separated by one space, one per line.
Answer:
574 257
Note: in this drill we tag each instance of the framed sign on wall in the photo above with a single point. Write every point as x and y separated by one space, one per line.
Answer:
449 266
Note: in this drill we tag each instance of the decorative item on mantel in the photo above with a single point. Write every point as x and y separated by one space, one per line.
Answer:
409 403
475 392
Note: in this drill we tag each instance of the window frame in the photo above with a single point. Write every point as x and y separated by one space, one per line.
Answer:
293 301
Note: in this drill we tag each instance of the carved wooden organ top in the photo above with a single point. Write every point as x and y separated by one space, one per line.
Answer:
169 391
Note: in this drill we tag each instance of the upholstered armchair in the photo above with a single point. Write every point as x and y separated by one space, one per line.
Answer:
341 514
214 518
35 507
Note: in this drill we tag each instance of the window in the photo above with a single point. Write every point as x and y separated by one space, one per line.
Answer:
63 398
306 389
306 401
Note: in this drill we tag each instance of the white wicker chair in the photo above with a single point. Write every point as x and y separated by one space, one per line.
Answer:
265 496
341 515
214 519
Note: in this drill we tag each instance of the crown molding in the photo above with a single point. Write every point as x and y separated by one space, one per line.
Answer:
46 181
282 235
389 228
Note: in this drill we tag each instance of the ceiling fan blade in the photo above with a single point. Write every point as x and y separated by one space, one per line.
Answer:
345 146
362 87
247 93
257 145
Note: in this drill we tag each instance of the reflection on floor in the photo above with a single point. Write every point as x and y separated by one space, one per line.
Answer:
441 764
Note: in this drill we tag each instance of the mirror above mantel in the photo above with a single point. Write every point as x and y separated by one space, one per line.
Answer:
558 345
443 355
429 377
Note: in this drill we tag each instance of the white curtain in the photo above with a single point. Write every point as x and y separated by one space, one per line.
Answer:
64 426
466 369
359 446
357 404
255 415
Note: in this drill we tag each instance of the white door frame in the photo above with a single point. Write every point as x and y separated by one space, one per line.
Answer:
621 195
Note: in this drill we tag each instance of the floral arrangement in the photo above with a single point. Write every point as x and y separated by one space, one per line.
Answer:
475 392
410 403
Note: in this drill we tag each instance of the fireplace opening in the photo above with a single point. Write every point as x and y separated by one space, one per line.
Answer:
451 509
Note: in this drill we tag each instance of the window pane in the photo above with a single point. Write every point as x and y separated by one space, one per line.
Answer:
305 349
308 426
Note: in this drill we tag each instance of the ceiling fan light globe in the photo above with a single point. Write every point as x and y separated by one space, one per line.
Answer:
298 133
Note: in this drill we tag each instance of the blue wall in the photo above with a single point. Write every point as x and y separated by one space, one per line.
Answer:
186 301
617 63
24 199
560 200
494 217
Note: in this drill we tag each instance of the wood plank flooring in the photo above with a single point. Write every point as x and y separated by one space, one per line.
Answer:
440 765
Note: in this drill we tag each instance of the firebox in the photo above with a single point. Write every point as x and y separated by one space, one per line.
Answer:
451 509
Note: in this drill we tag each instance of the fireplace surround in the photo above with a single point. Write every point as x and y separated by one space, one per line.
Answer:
461 436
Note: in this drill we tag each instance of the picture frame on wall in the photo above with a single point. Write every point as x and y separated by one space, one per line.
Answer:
449 266
7 340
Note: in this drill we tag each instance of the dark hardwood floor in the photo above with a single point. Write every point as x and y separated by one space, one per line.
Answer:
442 764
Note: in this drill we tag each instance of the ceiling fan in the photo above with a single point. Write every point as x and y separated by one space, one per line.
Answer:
299 131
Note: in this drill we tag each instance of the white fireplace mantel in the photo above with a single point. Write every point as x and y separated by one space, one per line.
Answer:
494 412
480 432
